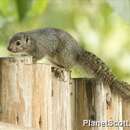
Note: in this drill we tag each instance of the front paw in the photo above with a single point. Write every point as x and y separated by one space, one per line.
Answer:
59 73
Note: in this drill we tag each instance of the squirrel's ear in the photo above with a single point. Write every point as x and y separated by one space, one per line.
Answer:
27 39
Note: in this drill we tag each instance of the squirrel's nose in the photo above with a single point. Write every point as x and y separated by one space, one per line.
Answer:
9 48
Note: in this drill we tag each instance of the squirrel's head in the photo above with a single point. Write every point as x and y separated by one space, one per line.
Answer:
20 42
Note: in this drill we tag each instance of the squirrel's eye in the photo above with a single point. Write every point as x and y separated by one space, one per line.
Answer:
18 43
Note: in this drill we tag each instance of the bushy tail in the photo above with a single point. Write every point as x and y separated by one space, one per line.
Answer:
122 87
91 62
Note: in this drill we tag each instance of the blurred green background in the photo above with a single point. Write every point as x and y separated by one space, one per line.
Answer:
94 23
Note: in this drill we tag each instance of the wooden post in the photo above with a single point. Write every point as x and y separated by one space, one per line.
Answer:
6 126
16 91
126 112
96 102
32 96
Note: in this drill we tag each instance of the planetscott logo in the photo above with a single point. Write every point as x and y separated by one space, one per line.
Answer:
108 123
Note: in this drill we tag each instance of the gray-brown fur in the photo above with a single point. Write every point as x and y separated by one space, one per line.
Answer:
63 50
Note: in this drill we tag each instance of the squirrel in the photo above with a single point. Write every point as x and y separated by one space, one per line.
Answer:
62 49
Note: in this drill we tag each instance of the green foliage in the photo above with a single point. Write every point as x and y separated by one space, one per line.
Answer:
38 7
23 7
7 12
30 8
5 8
